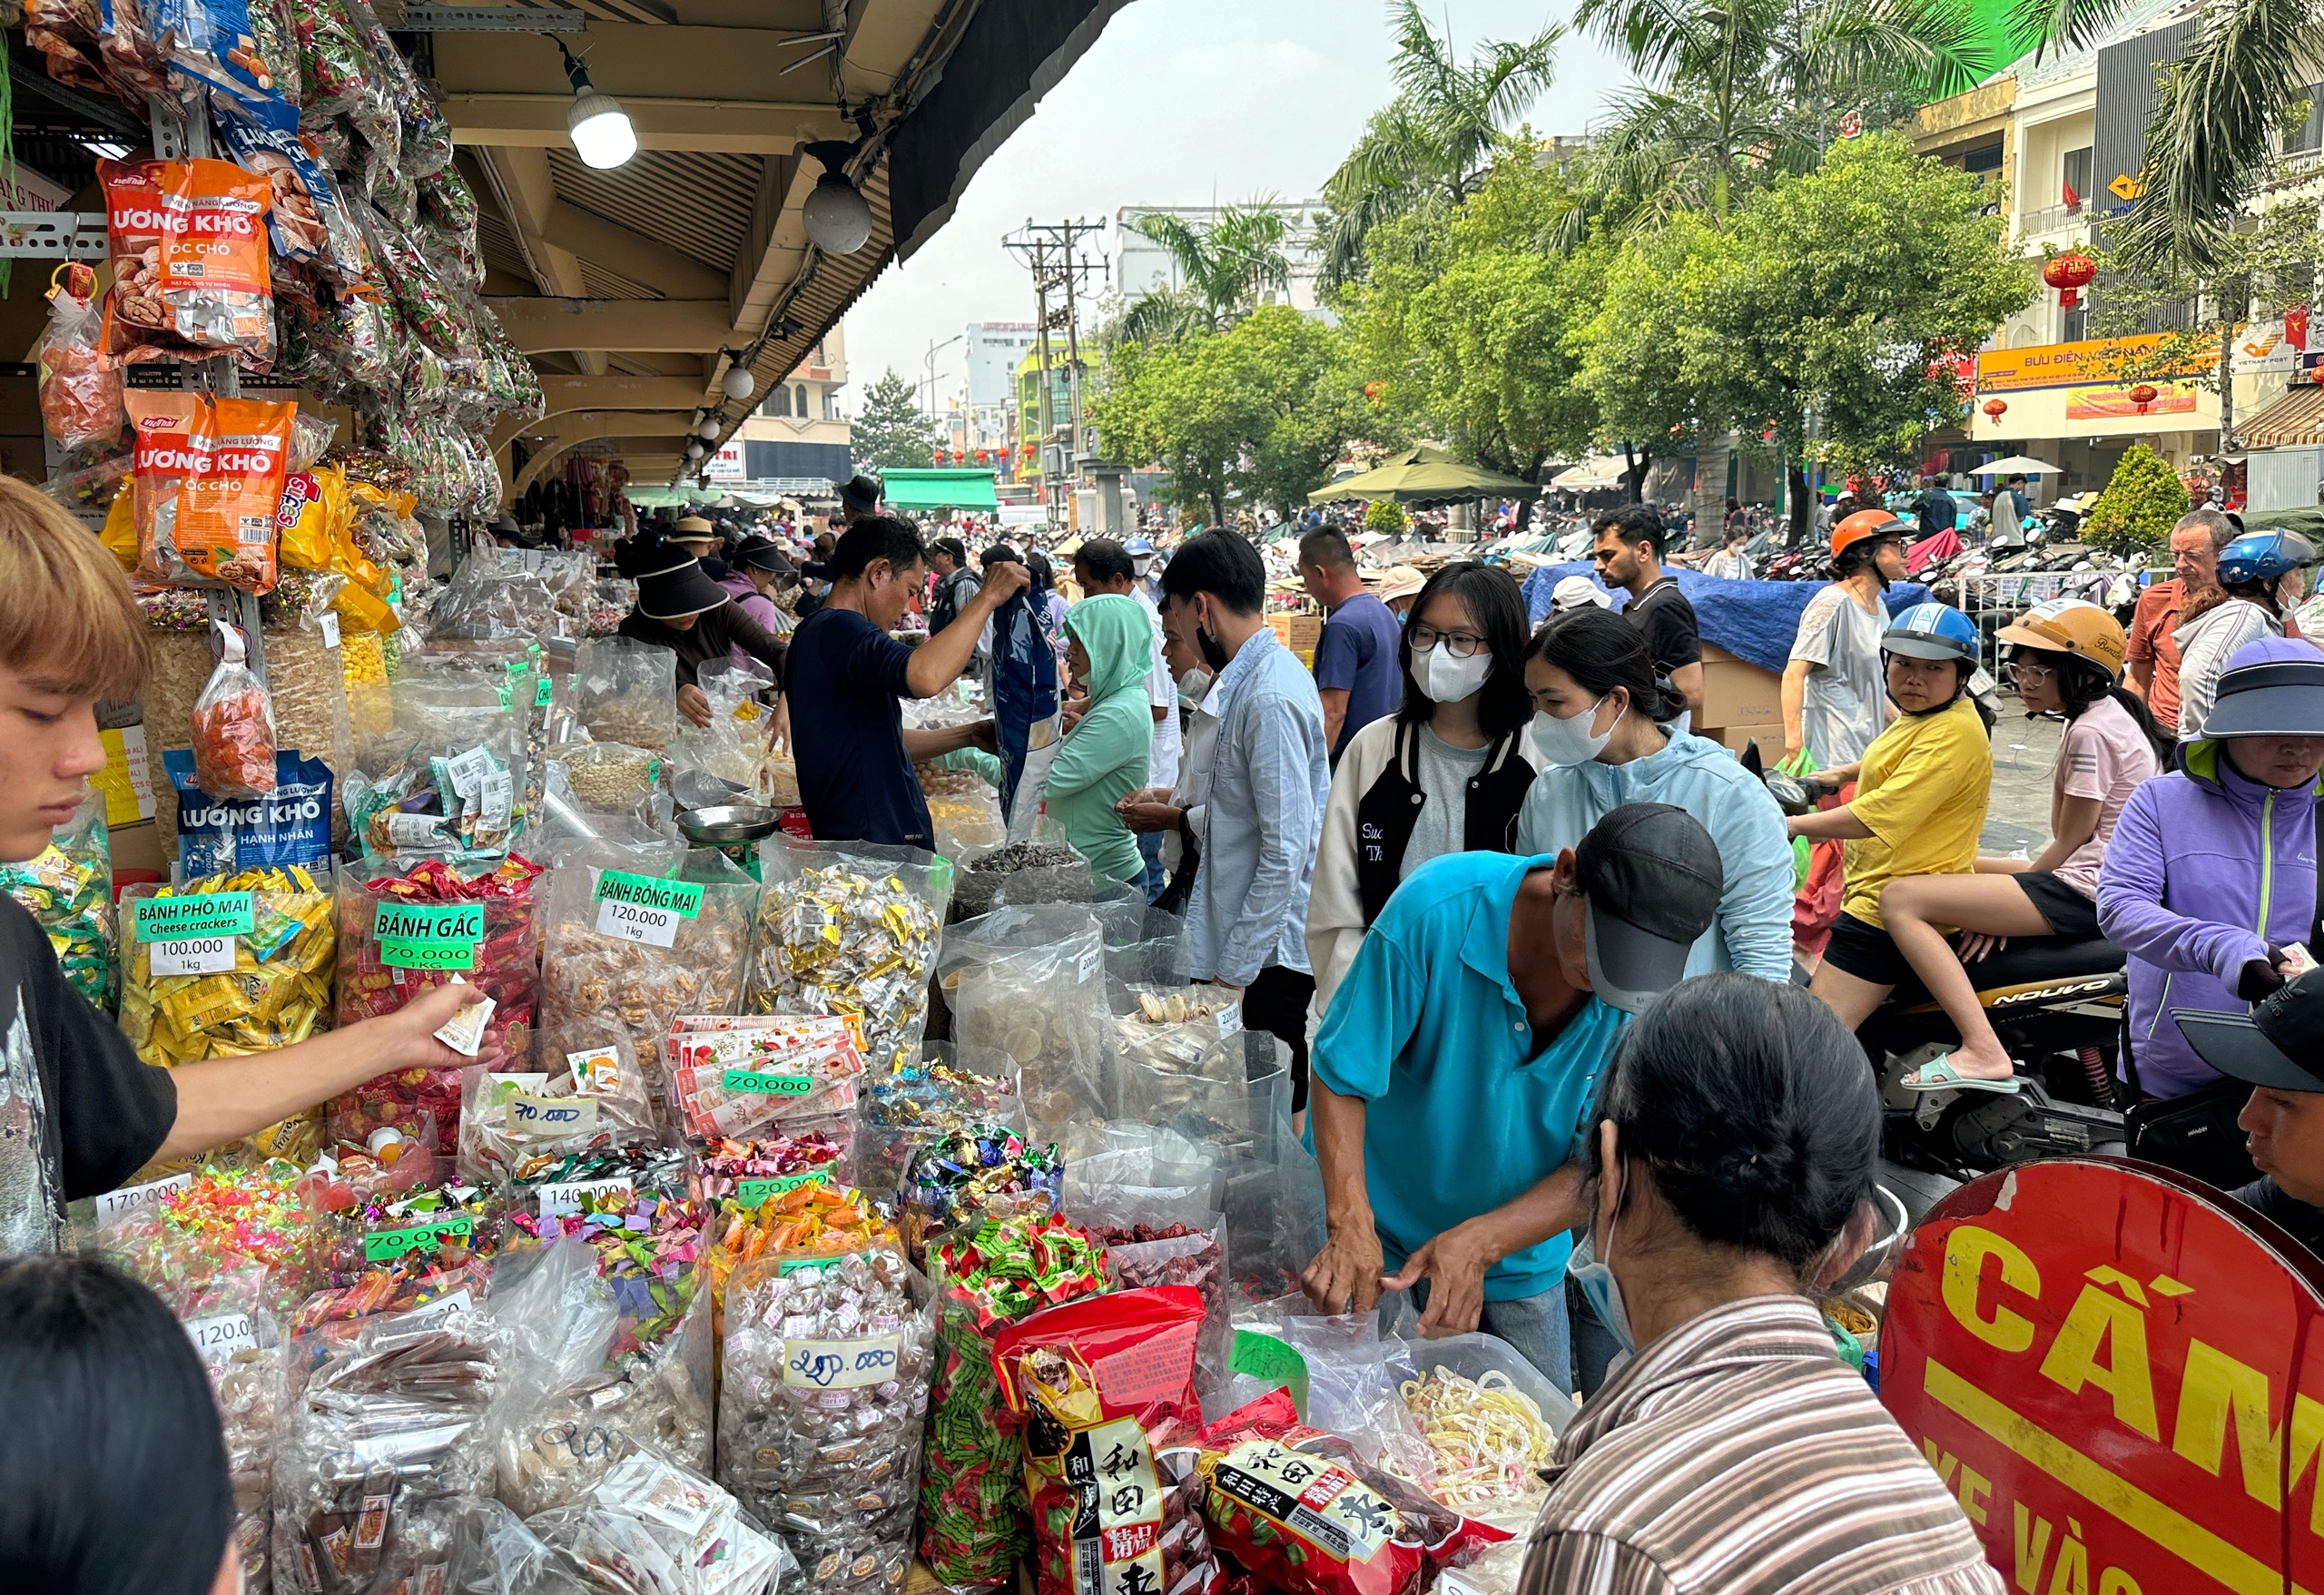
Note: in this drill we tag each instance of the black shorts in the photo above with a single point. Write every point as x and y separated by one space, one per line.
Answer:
2072 916
1866 952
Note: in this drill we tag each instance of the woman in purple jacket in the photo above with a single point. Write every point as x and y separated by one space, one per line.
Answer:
2210 878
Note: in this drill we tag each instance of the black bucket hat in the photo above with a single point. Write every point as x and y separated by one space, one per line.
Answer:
675 590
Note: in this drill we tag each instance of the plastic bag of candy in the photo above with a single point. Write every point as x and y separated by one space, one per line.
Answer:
1103 1390
79 388
649 1513
449 773
824 1394
412 925
1300 1509
800 1218
850 928
67 887
957 1181
1157 1239
973 1513
819 1146
1031 997
735 1077
901 1114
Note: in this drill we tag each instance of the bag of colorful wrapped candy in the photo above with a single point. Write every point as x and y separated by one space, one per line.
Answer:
449 773
517 1122
1029 999
959 1179
67 887
735 1076
900 1114
813 1146
649 1512
972 1514
1103 1390
228 965
407 925
824 1396
809 1218
850 928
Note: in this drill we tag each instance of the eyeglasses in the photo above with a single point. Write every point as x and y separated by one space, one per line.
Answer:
2033 675
1463 643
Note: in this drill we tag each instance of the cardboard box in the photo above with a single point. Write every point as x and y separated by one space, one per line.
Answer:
1739 696
1304 633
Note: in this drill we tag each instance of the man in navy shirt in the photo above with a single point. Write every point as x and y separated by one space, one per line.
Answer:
1358 672
848 679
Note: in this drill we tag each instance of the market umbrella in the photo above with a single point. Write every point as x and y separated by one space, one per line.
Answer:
2017 465
1427 475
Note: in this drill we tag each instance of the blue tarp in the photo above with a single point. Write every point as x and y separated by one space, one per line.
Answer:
1752 620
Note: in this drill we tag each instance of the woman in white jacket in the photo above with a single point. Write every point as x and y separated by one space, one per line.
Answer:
1602 734
1445 773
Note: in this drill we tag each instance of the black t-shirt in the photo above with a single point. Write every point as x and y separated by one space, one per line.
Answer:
78 1112
2269 1200
1668 621
847 683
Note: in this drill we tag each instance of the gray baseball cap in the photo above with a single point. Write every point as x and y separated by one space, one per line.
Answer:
2280 1044
1652 877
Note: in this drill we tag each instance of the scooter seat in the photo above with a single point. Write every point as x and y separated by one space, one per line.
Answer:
2031 964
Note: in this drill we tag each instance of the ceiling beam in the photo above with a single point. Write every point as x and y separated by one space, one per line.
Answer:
548 441
684 326
627 253
564 395
521 181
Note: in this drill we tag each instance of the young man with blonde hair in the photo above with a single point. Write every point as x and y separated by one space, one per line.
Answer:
78 1112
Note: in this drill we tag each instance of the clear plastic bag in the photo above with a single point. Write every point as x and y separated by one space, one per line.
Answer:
1031 1001
449 773
233 726
1355 1376
626 691
850 928
820 1416
641 1528
1164 1237
1173 1047
1491 1423
67 887
79 388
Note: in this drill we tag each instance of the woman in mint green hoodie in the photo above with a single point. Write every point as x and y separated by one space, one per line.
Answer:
1103 758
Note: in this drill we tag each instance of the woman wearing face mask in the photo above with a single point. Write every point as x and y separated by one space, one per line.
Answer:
2259 580
1603 736
1445 773
1729 1172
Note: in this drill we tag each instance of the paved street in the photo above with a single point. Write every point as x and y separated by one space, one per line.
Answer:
2025 752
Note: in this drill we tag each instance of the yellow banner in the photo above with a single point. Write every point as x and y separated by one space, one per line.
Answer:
2072 365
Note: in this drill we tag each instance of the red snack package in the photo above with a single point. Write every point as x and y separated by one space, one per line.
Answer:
1297 1508
214 287
136 313
1105 1389
226 507
234 727
163 456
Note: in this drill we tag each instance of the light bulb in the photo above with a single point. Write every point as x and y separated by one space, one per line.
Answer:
837 217
693 451
602 134
708 430
739 383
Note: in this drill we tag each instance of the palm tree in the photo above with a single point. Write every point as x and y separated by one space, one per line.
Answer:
1429 146
1733 92
1225 265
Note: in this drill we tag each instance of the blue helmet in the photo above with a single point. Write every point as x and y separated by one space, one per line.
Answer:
2262 556
1138 547
1932 631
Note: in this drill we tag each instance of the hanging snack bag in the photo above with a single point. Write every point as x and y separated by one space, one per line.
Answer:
304 220
233 726
135 314
289 825
214 286
1104 1391
227 504
166 425
79 388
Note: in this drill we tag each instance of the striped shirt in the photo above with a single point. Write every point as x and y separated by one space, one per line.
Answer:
1737 1455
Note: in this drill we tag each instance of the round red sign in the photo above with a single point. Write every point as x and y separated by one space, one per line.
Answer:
2119 1375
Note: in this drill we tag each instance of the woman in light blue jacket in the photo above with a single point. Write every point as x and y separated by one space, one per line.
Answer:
1600 727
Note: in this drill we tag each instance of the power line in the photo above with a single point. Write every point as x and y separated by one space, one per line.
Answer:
1051 249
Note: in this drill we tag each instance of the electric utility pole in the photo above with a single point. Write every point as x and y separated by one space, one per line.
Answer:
1051 249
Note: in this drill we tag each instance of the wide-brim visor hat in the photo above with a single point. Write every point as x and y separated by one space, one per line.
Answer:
677 591
2272 687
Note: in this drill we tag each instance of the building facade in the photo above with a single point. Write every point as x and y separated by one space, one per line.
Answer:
796 440
1140 264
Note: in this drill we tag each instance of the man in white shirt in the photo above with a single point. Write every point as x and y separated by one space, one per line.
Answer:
1104 566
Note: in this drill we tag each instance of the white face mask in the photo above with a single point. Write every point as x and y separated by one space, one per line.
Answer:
1194 683
1565 743
1448 680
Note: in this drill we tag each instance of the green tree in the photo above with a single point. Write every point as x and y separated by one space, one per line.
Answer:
1258 412
1226 266
2142 501
1427 148
890 432
1625 359
1845 296
1386 515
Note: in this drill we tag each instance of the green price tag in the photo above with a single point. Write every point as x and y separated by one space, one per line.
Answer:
753 1191
428 955
541 692
682 898
744 1079
787 1266
428 936
199 913
1265 1357
381 1246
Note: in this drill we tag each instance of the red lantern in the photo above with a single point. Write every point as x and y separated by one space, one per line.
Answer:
1996 408
936 455
2145 394
2296 327
2068 274
983 456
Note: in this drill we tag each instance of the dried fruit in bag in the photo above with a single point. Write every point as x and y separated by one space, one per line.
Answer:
214 286
233 726
80 389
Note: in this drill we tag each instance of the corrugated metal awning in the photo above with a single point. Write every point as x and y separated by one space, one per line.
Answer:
2297 417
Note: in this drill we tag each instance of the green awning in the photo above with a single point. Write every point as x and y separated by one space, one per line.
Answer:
967 487
1427 475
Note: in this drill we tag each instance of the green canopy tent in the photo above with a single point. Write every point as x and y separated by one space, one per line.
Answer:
967 487
1427 475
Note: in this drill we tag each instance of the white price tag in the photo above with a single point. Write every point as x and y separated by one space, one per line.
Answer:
434 1313
330 626
1090 961
839 1364
112 1205
633 922
1230 1020
217 1339
557 1200
192 955
539 1118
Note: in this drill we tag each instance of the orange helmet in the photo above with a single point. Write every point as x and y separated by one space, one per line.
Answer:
2071 625
1868 522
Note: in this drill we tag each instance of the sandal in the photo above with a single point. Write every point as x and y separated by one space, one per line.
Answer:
1939 1075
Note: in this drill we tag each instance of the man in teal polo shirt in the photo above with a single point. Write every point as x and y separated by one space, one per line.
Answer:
1457 1061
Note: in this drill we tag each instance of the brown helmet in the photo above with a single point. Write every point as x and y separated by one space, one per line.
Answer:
2071 625
1868 523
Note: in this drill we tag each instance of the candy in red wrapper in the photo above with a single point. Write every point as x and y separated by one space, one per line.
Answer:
1297 1509
1104 1393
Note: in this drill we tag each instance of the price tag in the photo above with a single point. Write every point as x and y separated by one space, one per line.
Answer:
751 1192
192 955
112 1205
427 936
1265 1357
435 1313
538 1117
381 1246
199 913
217 1339
564 1198
1230 1020
744 1079
644 909
839 1364
1088 965
541 692
330 627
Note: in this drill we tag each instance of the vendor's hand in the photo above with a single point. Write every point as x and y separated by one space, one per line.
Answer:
984 734
1975 945
778 728
407 1036
1072 710
1346 1270
693 706
1454 1265
1143 817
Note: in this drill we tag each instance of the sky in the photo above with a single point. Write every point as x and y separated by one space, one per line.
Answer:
1179 103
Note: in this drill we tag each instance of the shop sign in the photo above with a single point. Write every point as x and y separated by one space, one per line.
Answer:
2261 349
2135 403
2119 1375
2069 365
726 464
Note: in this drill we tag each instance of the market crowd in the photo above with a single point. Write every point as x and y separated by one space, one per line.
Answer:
1528 947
